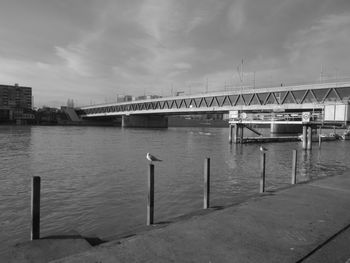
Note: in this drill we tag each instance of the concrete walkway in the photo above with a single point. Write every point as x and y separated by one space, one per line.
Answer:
46 249
304 223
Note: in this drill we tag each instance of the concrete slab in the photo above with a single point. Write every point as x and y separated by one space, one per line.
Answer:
336 249
283 226
45 250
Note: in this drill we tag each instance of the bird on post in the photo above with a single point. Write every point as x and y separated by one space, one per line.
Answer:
262 149
152 158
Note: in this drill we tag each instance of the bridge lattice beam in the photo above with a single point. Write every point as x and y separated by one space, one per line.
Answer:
259 99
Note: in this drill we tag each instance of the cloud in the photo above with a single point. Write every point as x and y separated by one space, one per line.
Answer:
236 15
322 44
182 66
90 50
194 23
74 58
160 18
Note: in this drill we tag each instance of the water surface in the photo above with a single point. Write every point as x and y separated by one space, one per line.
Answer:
94 179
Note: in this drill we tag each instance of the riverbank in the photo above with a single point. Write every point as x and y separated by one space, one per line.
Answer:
308 222
297 224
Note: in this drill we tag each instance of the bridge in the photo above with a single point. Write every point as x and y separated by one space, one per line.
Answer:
148 113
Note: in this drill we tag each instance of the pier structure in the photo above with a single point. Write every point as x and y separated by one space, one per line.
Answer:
153 113
308 121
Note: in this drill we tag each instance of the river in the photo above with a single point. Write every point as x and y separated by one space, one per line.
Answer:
94 179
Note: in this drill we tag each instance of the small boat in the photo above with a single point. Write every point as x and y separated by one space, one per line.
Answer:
330 137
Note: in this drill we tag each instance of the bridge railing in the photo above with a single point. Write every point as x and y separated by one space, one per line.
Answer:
329 80
228 88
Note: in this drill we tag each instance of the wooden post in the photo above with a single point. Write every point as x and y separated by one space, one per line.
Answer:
230 134
150 199
304 136
309 138
206 189
35 209
294 167
262 178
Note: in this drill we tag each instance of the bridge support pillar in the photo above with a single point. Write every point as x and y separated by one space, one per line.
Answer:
144 121
230 133
241 132
307 137
236 133
233 136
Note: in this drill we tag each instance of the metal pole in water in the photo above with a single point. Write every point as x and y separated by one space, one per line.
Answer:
319 137
304 136
150 199
309 138
35 209
262 178
294 167
206 189
319 140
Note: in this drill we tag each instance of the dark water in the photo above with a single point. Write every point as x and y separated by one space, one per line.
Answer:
94 178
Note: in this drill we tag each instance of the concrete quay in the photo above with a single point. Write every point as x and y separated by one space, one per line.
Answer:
303 223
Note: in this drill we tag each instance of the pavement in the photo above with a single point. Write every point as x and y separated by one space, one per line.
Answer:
307 222
46 249
303 223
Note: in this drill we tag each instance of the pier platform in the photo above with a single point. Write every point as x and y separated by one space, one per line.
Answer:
303 223
262 139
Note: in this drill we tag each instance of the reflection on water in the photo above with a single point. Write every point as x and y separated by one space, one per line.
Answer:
94 178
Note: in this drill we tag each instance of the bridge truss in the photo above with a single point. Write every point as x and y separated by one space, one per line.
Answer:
292 97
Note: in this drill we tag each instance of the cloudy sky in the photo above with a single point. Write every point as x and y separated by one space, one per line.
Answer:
93 50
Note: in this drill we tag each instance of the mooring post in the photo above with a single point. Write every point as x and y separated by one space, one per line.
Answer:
241 133
319 137
235 134
304 136
150 199
294 167
309 138
206 189
262 178
35 209
230 134
319 140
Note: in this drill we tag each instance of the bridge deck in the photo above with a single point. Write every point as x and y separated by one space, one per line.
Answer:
285 98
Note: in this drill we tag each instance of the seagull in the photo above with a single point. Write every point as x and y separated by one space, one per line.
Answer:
262 149
152 158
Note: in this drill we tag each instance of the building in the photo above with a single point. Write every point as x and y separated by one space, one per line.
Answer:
148 97
15 103
124 98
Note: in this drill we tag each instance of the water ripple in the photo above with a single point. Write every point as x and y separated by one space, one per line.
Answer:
94 179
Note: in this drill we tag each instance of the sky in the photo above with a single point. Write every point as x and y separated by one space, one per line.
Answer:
94 50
